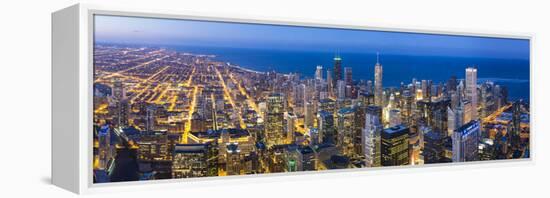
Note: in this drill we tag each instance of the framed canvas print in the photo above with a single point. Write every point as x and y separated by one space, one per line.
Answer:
142 97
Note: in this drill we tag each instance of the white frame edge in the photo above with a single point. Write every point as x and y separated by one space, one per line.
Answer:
72 48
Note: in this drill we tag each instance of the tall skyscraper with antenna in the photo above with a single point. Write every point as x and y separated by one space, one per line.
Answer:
337 69
378 90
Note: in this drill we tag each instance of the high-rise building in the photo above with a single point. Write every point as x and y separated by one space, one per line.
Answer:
118 89
487 103
314 136
153 146
330 83
198 122
150 118
309 115
300 95
451 84
274 129
123 112
105 153
425 89
319 73
468 108
394 117
434 148
434 113
290 121
407 108
325 124
346 131
395 146
341 89
371 136
516 118
348 76
190 160
350 92
465 142
233 159
337 69
452 121
369 87
487 149
366 99
515 135
471 90
378 89
307 160
328 105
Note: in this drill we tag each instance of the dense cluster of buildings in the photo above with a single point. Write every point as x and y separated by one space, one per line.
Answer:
160 114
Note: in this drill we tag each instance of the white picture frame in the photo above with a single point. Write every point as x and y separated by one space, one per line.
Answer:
72 77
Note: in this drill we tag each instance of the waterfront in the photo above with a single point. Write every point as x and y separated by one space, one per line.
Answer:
181 98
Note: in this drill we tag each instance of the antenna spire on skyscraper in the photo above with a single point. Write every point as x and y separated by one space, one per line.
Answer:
377 57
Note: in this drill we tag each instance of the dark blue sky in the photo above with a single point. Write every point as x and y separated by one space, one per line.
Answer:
135 30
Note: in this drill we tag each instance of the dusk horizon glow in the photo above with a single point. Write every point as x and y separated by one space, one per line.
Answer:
170 32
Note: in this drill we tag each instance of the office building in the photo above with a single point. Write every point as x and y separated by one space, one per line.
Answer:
274 129
319 73
465 142
346 131
471 90
395 146
190 160
337 69
233 159
378 89
348 76
325 124
371 136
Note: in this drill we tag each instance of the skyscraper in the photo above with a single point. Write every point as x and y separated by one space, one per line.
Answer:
150 118
452 122
290 121
465 142
378 89
341 89
371 136
337 69
104 139
233 159
394 117
348 75
309 115
395 146
274 129
451 84
330 83
118 89
407 107
434 148
123 112
325 123
190 160
346 131
425 89
300 98
471 90
319 73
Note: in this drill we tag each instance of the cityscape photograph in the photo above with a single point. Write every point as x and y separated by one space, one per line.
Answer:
176 98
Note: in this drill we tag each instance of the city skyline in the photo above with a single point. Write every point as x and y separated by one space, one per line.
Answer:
162 113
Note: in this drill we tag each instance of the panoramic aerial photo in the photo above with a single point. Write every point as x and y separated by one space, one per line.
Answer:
178 98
